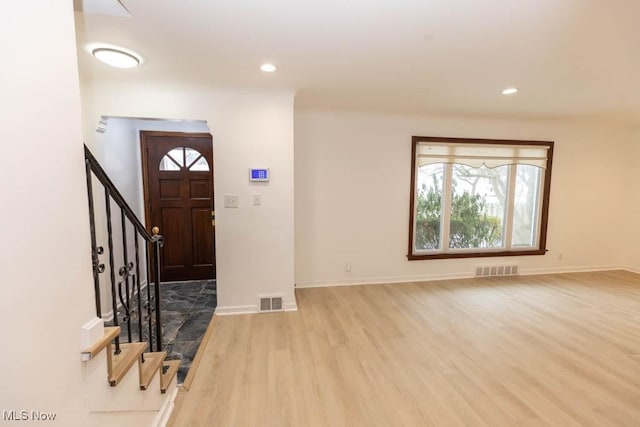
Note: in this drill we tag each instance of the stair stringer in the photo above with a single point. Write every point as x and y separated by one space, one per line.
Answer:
125 404
126 396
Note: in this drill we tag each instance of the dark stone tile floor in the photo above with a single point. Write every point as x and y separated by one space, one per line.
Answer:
187 308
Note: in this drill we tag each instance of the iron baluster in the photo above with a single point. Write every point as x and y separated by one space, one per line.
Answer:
112 275
125 273
92 227
125 297
158 242
148 306
137 284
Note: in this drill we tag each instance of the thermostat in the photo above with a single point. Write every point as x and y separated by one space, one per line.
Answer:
259 175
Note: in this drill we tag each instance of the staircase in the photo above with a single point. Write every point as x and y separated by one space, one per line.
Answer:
127 352
118 365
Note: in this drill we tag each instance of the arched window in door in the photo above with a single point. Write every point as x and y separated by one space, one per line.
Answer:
184 158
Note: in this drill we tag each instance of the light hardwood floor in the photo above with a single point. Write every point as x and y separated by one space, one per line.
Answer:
530 350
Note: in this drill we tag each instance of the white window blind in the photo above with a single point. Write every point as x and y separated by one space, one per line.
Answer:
476 155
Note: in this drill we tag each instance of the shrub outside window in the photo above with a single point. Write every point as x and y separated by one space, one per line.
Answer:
478 197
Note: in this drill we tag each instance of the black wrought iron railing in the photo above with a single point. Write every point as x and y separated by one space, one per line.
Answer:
135 306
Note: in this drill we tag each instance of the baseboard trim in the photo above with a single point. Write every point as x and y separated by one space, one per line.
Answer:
451 276
164 413
237 309
631 269
587 269
291 306
249 309
382 280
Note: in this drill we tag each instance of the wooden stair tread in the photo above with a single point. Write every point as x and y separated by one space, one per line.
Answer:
152 364
110 334
167 377
122 362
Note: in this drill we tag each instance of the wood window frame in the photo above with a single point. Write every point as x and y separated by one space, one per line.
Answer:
544 211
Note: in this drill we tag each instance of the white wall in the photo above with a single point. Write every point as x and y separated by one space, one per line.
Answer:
46 291
254 244
352 195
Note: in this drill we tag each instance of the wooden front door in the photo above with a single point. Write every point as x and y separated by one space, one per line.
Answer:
178 184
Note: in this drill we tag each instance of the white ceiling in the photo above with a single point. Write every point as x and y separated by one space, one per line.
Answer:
568 57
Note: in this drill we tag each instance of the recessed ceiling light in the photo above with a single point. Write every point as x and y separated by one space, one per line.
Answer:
510 91
115 57
268 68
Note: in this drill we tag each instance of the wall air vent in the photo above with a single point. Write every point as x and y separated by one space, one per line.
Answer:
270 303
497 270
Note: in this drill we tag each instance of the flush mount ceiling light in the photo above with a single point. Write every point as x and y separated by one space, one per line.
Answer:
510 91
268 68
116 57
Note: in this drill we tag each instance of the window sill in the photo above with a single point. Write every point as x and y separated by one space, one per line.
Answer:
476 254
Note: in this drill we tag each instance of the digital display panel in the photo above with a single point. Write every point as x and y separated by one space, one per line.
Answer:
259 174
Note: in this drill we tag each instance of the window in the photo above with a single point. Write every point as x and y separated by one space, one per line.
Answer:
474 198
182 157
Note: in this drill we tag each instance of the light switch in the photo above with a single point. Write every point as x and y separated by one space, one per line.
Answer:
230 200
257 199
